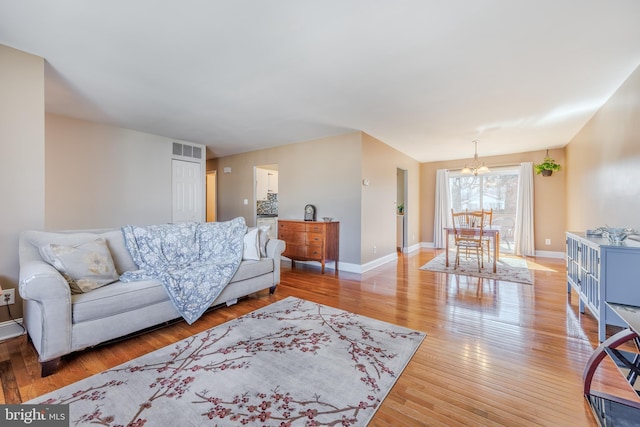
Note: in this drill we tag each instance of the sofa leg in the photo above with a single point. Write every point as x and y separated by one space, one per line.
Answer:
272 289
49 367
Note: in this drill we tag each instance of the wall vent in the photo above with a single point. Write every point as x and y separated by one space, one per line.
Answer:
186 150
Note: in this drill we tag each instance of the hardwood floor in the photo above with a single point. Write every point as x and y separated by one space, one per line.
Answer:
496 353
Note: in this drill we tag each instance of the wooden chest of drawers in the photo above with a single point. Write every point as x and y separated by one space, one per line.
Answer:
310 241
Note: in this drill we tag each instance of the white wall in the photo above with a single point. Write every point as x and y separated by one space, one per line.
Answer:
21 157
102 176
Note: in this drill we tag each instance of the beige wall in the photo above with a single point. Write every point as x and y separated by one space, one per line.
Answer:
329 173
603 164
102 176
21 159
380 164
324 172
549 196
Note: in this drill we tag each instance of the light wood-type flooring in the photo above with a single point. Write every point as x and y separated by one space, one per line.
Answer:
496 354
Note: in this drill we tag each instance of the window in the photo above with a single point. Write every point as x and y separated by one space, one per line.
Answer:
497 190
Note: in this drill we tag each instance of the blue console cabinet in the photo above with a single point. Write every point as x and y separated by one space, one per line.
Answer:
602 272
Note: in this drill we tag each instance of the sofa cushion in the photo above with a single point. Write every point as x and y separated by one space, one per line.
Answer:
249 269
86 266
119 297
119 252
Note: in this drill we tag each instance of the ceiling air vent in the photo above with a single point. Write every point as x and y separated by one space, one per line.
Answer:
186 150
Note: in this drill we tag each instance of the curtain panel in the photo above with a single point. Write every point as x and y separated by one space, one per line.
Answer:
524 233
442 208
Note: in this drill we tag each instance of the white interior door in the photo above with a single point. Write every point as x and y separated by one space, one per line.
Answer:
187 192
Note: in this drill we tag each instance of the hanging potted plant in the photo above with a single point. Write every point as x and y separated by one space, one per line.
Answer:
547 167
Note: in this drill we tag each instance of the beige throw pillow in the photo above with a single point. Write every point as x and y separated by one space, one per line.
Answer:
86 266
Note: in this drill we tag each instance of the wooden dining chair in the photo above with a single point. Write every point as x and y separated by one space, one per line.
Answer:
487 221
468 234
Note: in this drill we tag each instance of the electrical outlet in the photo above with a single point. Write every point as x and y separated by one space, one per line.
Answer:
8 297
375 249
547 242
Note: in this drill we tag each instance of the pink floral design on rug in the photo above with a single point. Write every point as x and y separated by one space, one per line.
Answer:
291 363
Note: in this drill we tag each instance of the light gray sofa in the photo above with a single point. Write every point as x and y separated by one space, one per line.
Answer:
59 322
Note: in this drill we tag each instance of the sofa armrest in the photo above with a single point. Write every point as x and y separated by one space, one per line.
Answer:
46 310
275 247
39 281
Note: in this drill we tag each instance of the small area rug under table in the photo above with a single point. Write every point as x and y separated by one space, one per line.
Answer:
293 362
509 268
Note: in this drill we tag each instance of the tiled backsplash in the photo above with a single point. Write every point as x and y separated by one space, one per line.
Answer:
269 206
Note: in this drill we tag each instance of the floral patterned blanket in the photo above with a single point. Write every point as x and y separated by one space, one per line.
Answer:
194 261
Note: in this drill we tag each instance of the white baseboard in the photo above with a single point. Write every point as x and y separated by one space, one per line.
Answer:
412 248
378 262
550 254
11 329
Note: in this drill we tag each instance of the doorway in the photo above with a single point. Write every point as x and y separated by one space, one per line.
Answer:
266 197
187 194
212 180
401 210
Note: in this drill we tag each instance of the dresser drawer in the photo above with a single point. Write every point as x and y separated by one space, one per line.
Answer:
295 227
314 252
315 239
315 228
290 236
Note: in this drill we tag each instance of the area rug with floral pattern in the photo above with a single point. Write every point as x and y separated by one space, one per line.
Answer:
509 268
291 363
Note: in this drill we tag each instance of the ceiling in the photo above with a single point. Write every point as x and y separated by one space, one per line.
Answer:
424 76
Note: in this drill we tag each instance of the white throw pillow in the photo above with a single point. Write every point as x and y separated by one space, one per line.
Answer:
251 245
86 266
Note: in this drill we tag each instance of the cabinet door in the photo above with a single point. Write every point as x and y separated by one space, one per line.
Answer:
261 184
272 181
622 276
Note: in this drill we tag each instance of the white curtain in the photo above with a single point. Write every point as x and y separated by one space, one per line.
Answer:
443 208
524 237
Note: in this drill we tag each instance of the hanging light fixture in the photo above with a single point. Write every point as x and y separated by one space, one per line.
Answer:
476 168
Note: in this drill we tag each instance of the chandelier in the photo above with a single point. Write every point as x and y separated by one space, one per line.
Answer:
476 168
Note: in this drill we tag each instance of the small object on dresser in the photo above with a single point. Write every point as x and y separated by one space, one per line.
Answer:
327 218
595 232
310 213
